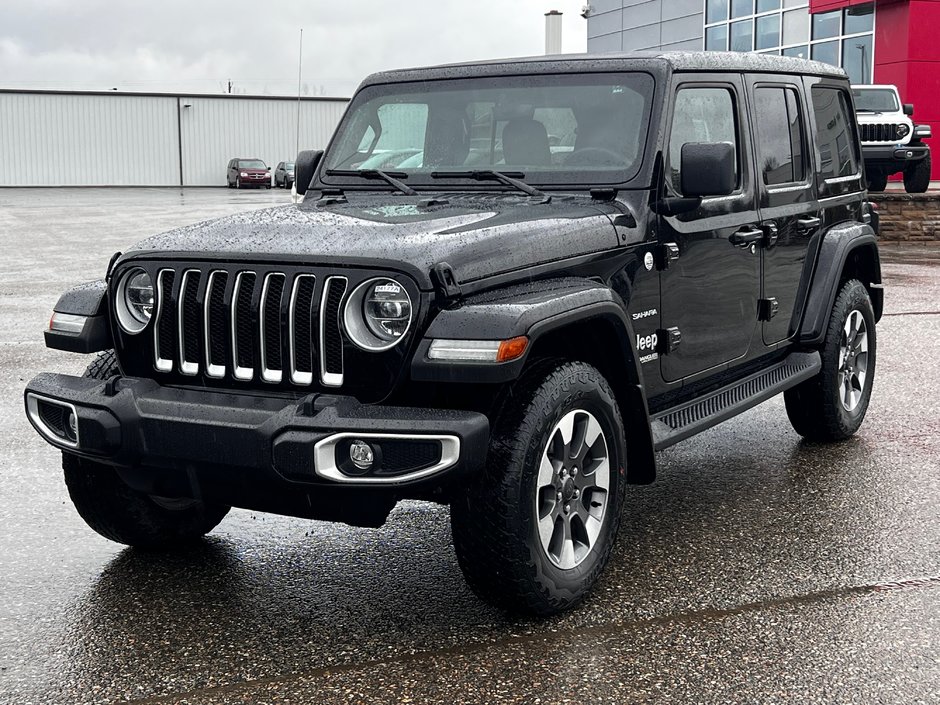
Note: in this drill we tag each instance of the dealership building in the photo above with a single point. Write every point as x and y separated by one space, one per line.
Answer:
886 41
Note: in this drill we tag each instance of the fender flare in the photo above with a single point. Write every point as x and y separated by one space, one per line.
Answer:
90 300
839 244
535 310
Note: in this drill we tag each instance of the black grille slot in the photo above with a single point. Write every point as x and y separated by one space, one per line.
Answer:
303 324
217 323
243 319
274 288
167 331
191 316
332 338
399 457
54 416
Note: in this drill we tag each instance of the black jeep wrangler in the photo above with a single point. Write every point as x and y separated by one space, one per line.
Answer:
564 265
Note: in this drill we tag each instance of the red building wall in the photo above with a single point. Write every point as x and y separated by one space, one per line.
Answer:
907 54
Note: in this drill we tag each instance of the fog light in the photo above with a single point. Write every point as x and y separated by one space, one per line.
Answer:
73 424
361 455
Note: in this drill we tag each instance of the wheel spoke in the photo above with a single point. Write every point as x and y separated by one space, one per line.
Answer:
547 471
566 429
547 526
598 474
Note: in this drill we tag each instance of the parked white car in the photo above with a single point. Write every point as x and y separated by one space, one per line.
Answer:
891 142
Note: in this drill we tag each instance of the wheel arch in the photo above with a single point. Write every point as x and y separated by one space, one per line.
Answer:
580 320
847 251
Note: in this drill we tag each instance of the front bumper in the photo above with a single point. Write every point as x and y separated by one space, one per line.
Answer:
165 433
892 155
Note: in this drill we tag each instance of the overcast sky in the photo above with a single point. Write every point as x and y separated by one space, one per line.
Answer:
198 45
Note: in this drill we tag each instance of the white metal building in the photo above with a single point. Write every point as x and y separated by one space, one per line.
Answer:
67 138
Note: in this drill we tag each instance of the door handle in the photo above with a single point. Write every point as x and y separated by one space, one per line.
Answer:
746 236
810 223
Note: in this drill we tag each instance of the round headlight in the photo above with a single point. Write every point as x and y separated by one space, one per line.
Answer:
378 314
134 300
903 130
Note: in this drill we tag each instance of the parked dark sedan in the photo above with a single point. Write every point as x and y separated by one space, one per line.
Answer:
284 174
248 172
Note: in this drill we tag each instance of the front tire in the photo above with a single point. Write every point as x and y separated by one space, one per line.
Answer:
917 176
831 406
118 512
877 181
535 531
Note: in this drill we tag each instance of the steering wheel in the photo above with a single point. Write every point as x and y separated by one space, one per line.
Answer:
594 156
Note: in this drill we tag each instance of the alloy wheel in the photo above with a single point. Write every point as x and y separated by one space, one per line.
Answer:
572 489
853 360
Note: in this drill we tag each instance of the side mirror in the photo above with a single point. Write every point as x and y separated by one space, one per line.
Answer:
708 169
304 167
908 108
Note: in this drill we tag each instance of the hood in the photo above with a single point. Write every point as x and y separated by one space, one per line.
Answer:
252 170
478 235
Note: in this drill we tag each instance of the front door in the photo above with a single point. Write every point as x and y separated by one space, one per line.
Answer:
789 210
709 293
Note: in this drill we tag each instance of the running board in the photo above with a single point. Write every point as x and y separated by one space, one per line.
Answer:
681 422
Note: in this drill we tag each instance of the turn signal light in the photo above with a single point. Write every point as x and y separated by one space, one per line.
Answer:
512 349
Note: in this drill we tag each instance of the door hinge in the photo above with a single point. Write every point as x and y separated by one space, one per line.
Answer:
668 340
767 308
771 232
668 252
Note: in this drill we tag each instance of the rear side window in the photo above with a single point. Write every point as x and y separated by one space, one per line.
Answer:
780 135
701 115
837 148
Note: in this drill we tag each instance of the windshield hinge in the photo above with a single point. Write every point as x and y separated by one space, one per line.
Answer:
445 281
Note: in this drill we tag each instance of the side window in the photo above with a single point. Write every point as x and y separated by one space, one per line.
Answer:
701 115
780 138
837 148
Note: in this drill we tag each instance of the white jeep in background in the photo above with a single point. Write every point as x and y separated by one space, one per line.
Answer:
891 142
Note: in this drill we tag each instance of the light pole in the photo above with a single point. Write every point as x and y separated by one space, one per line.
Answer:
300 60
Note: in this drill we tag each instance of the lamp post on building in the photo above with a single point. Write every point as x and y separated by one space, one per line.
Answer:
862 48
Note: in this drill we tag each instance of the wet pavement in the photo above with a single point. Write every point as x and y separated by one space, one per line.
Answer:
757 569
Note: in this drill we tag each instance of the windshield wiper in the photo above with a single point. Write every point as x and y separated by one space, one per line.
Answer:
388 177
510 178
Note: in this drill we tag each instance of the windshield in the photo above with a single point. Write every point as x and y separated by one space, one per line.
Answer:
568 128
251 164
289 166
875 100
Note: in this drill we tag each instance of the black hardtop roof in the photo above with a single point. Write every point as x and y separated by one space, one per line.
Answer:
710 61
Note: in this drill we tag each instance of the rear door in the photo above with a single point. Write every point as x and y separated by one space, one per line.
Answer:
789 211
709 292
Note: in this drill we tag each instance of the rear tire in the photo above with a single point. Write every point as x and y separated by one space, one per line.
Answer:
122 514
831 406
535 531
877 181
917 176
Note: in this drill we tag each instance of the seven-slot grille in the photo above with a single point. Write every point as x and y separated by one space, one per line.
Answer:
249 325
880 132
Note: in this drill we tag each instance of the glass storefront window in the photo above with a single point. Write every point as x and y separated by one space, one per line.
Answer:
839 37
827 52
859 19
768 32
826 24
797 52
795 26
716 38
742 36
741 8
856 59
716 11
